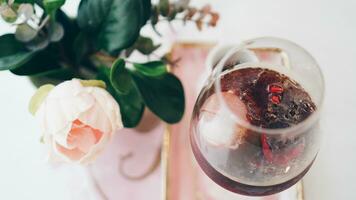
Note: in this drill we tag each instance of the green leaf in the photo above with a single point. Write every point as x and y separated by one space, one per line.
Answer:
44 60
147 9
145 45
163 95
164 7
39 3
53 77
154 15
131 104
116 24
38 98
153 69
25 1
122 26
81 47
120 78
13 53
92 13
59 74
51 6
172 15
71 33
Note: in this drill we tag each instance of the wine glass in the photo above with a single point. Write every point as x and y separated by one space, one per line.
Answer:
255 125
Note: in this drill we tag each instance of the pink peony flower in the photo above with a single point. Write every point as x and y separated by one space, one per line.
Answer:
77 121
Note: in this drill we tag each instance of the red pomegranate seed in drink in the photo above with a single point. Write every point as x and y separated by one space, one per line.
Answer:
266 149
276 99
280 158
275 89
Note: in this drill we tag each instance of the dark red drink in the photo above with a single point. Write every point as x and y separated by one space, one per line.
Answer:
239 138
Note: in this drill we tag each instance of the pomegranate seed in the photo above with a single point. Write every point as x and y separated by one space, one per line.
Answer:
266 149
275 89
276 99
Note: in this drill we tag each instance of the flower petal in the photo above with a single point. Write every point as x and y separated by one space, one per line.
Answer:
64 104
83 137
72 154
109 107
96 118
96 150
78 121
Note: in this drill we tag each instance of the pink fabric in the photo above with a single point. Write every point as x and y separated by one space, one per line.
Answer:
140 150
189 70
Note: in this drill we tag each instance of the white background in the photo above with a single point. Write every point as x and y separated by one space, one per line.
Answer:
326 28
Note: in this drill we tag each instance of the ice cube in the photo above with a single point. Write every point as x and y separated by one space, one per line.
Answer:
216 124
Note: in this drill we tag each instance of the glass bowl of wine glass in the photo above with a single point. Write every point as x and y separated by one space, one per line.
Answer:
255 125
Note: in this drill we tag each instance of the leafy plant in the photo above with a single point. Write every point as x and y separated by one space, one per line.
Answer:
51 47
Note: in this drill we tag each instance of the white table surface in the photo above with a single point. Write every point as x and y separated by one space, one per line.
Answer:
326 28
